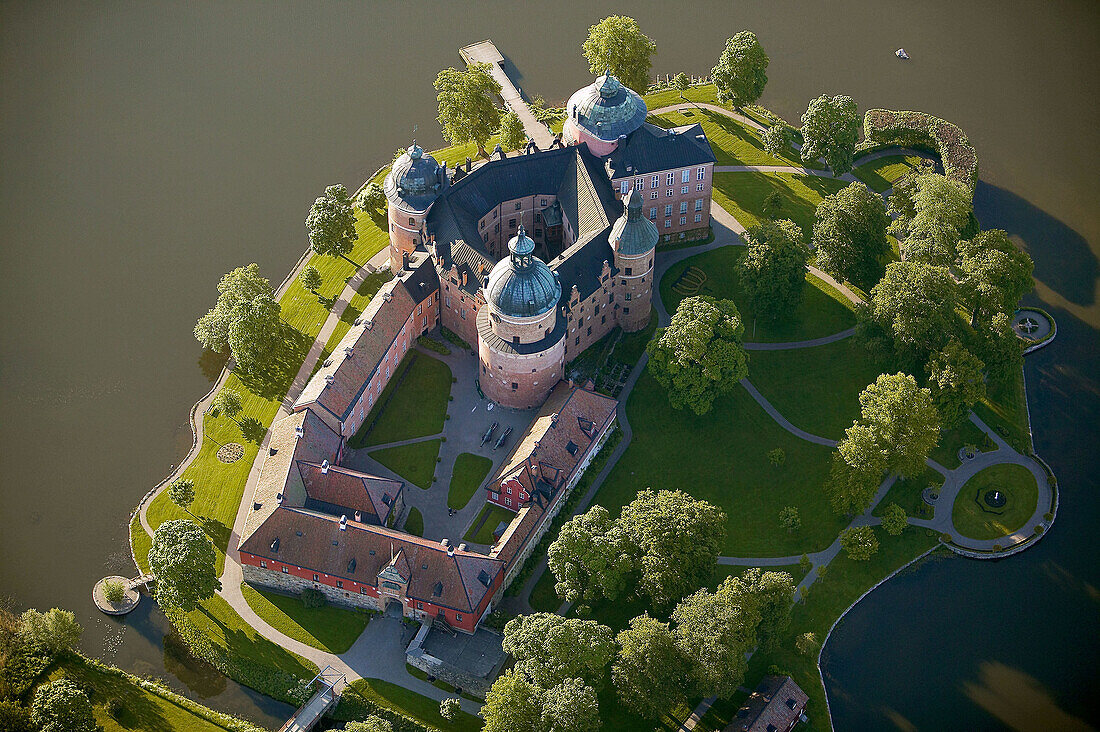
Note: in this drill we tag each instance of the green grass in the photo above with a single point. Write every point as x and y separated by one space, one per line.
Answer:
414 523
494 515
1004 409
543 598
879 175
726 465
1016 482
953 440
907 493
420 708
141 543
415 463
743 194
466 476
815 388
631 346
732 141
367 289
823 311
327 628
415 406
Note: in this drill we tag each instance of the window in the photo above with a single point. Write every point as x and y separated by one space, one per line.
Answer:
412 221
698 204
626 311
511 223
596 311
515 386
458 617
507 501
628 271
603 318
684 190
654 194
671 178
577 342
538 218
701 173
668 210
698 186
339 584
316 578
496 228
668 223
611 298
698 218
683 220
685 175
624 186
669 192
543 202
362 589
627 296
538 231
483 223
572 447
653 212
639 183
391 585
519 205
683 206
263 564
462 313
589 330
655 181
419 606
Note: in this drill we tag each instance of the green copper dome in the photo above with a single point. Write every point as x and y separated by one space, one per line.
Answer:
522 286
607 109
633 233
414 178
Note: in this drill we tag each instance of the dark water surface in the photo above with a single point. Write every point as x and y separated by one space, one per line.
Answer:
147 148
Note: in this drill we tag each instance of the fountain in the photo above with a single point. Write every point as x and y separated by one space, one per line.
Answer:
994 498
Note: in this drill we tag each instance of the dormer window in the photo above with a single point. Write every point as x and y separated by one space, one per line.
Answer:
437 590
571 448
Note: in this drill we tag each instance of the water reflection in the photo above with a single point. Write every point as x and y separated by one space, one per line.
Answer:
1019 700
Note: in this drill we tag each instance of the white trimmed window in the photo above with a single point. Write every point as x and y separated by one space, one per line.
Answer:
698 218
624 187
701 173
671 179
668 210
685 175
654 194
668 223
698 186
653 212
684 190
654 181
683 220
698 204
683 206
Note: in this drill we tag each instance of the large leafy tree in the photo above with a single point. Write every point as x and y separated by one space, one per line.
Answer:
699 356
677 540
467 105
772 593
956 382
513 704
61 706
777 139
915 304
856 471
55 630
773 270
237 290
370 724
715 630
182 493
850 234
741 72
310 278
570 706
996 274
651 673
830 128
859 542
591 558
256 334
512 134
923 197
550 649
898 426
182 560
331 223
617 44
1000 349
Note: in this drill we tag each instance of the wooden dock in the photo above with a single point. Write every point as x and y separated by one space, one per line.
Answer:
486 52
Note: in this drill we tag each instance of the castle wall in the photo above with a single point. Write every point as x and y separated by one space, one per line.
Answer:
458 309
634 290
672 203
517 380
500 223
404 232
574 134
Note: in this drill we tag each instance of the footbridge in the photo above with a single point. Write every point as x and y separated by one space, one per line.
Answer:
486 52
326 696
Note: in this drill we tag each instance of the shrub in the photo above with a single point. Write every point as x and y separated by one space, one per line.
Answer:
883 127
860 543
997 547
806 644
945 538
775 670
114 708
777 456
1048 516
14 717
449 708
114 591
24 664
1038 529
312 598
454 338
433 345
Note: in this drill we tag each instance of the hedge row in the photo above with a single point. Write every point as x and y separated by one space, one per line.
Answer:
354 705
882 127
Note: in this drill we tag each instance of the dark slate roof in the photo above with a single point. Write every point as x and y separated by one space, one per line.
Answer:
651 149
634 234
522 286
414 180
582 264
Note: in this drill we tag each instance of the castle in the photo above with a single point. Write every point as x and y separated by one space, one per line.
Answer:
533 258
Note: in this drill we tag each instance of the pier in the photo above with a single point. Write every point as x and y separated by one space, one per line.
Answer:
486 52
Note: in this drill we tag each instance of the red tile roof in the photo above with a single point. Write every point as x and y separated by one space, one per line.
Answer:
347 491
775 706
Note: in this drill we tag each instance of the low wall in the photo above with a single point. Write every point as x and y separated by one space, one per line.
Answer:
289 584
459 678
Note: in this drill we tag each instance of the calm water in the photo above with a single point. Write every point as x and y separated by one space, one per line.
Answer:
145 149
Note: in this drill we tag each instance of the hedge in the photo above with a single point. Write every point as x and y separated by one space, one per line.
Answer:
21 669
353 705
882 127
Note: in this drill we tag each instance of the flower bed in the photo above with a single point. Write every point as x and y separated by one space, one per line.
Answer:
882 127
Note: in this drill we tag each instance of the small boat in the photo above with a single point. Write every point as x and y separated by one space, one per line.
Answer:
900 53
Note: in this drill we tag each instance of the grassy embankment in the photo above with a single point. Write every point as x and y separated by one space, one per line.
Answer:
327 628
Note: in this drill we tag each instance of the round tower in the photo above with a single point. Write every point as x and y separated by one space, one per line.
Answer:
521 339
413 184
601 114
634 241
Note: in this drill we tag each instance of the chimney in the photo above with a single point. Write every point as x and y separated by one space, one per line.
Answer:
445 542
324 467
468 163
462 547
344 522
465 277
404 260
358 517
279 498
348 350
299 431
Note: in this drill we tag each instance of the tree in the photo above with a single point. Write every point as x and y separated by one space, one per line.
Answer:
894 519
549 649
773 270
851 488
651 673
310 278
331 223
591 558
682 82
699 356
930 241
771 593
806 643
512 134
372 197
61 706
677 540
182 493
372 723
570 706
859 542
55 630
237 290
182 560
741 72
789 518
513 704
777 456
228 402
15 718
996 274
805 564
830 129
914 304
1000 349
616 44
777 139
449 708
956 382
849 234
467 105
114 591
772 207
903 421
256 334
924 197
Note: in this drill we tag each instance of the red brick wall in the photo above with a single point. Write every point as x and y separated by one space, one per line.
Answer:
663 199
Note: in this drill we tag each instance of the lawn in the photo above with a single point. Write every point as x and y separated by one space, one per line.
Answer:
973 518
823 311
953 440
327 628
413 404
414 523
409 703
469 470
907 493
721 457
816 388
415 463
879 175
543 598
482 532
743 194
632 345
1004 408
732 141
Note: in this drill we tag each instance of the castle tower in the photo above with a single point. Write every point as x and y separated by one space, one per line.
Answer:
521 339
634 240
601 114
411 187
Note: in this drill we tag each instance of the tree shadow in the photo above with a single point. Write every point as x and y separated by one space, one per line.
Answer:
272 377
211 364
218 532
252 429
1065 262
328 302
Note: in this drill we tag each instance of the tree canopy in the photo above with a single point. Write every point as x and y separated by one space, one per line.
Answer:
995 275
254 336
182 493
512 704
894 519
956 382
699 356
237 291
651 673
902 421
512 134
55 630
591 558
310 278
371 198
999 347
182 559
61 706
914 303
372 723
830 129
859 542
777 139
617 44
849 234
228 402
741 72
773 270
570 706
331 223
550 649
467 105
